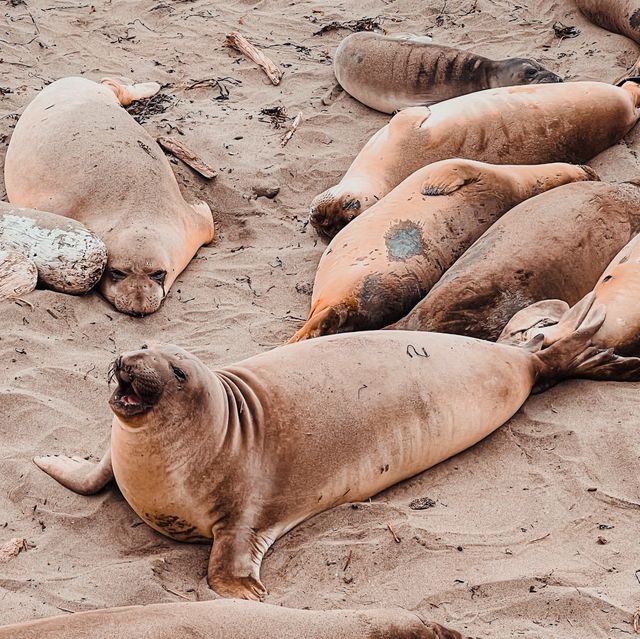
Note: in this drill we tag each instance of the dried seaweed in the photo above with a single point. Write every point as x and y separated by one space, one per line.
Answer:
363 24
277 116
142 110
563 31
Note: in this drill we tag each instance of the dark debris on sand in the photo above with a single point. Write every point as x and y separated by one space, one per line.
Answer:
563 31
276 115
142 110
363 24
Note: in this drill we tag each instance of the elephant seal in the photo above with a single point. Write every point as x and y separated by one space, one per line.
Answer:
227 619
619 16
567 122
391 72
618 290
246 452
383 263
76 152
554 245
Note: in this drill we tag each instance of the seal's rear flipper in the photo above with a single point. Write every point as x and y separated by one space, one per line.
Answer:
605 365
128 93
326 322
77 474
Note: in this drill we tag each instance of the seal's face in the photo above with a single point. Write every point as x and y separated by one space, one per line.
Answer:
149 377
332 210
135 291
517 71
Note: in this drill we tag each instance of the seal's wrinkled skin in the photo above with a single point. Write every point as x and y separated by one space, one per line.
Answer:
243 454
383 263
76 152
392 72
566 122
555 245
225 619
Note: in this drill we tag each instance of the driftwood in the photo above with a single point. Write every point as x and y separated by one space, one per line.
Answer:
18 275
236 41
187 156
292 129
68 257
12 549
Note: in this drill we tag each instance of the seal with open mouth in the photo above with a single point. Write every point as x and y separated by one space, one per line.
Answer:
244 453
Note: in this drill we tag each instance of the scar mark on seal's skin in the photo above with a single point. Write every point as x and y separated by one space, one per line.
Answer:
634 20
404 241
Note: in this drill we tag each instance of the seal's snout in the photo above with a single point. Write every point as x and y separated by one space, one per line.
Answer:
547 77
140 385
136 294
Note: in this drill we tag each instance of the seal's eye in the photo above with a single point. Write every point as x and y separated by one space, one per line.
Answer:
117 275
181 376
530 71
158 276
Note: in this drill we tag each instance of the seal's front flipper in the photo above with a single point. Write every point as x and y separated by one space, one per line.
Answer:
204 220
234 564
448 176
607 366
128 93
78 474
326 322
411 117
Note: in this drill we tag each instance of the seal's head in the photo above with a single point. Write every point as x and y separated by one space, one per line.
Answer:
333 209
156 376
518 71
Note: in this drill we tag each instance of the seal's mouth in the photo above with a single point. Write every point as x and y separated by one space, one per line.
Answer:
139 388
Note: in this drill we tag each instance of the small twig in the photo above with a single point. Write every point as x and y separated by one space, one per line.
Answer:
636 622
236 41
292 129
174 592
346 563
187 156
395 537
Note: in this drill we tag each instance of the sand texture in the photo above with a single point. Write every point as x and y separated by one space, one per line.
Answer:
534 532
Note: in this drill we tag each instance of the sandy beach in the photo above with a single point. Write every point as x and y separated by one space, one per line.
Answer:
534 532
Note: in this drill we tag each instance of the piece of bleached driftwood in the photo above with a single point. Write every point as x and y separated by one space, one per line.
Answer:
292 129
186 155
68 257
12 549
239 42
18 275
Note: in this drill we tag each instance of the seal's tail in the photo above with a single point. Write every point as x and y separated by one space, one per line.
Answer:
569 352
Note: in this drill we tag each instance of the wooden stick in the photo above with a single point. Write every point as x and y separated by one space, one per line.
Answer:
18 276
187 156
236 41
292 129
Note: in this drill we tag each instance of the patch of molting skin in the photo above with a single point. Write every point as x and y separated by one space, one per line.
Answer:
175 527
404 240
634 20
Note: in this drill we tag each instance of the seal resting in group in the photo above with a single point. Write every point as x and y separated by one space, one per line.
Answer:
244 453
391 72
618 290
225 619
554 245
76 152
378 267
619 16
567 122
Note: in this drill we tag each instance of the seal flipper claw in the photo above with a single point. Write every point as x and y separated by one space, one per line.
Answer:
78 474
234 564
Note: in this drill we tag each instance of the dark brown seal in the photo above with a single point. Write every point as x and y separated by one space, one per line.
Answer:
391 72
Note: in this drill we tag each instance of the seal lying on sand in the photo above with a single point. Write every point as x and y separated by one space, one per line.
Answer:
224 619
618 290
245 453
554 245
535 124
391 72
379 266
77 153
619 16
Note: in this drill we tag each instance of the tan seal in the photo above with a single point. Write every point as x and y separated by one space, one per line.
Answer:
567 122
619 16
555 245
244 453
383 263
226 619
391 72
76 152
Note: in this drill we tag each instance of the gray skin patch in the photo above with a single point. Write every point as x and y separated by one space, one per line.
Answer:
404 240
